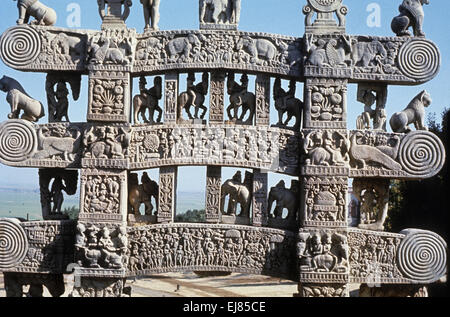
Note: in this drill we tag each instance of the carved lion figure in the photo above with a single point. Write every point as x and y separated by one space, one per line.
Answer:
411 15
33 8
414 113
19 100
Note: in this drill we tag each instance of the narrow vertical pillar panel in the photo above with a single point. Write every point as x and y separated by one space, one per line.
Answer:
167 194
325 104
171 97
262 92
103 196
109 96
259 198
324 202
213 186
217 97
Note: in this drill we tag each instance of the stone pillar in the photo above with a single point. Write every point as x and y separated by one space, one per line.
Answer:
109 95
213 186
167 194
101 229
171 97
217 97
262 92
259 198
324 190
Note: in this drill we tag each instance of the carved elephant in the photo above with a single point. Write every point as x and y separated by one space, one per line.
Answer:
33 8
365 53
285 198
258 48
182 46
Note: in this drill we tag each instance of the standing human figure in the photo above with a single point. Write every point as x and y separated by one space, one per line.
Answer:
151 12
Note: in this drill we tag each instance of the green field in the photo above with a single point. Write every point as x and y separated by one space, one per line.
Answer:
23 203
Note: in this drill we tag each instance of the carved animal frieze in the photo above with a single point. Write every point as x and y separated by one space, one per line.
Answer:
390 59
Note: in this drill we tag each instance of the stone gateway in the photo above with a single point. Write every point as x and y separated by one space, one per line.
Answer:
126 226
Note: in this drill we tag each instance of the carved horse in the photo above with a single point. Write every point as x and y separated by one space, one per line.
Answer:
293 108
184 100
247 101
148 100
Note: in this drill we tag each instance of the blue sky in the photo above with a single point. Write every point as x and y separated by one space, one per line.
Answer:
271 16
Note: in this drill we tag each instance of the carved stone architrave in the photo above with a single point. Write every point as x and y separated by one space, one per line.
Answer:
217 97
325 202
36 246
171 97
167 194
412 256
213 185
181 247
109 94
262 92
259 198
325 104
103 196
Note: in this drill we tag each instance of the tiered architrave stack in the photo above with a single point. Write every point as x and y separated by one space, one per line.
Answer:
311 244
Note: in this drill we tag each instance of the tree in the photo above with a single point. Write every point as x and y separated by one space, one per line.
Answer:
192 216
